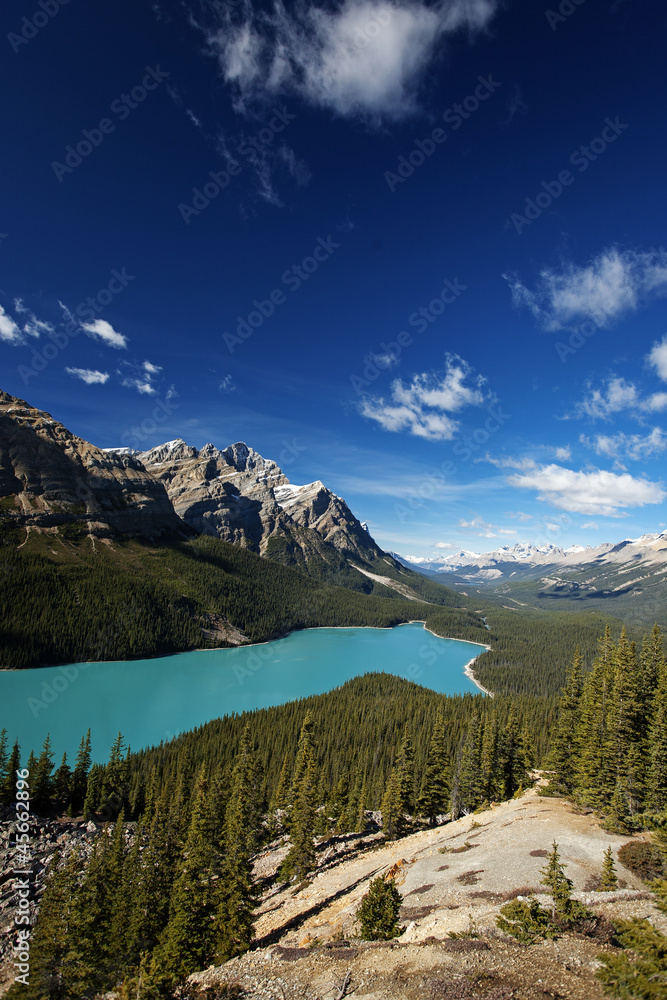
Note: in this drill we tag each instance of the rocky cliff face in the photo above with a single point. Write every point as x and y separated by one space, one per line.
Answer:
49 477
245 499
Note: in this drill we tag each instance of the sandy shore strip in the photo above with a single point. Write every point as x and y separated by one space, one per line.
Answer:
468 671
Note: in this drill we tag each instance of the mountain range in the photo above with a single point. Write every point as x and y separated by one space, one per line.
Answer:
511 559
629 576
55 483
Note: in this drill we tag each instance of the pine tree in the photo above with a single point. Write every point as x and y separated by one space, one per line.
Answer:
218 800
8 790
93 792
4 756
651 661
189 938
466 792
351 813
282 793
86 963
406 771
80 775
62 783
49 942
513 760
623 738
609 879
114 780
301 857
392 807
617 811
434 796
563 753
338 803
234 917
591 735
360 825
558 884
657 743
490 761
179 802
126 900
379 909
149 911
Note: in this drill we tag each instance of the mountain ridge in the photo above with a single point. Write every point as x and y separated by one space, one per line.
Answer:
542 555
50 479
55 483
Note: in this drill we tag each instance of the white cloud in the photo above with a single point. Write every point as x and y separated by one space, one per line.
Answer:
655 403
89 376
32 326
13 333
361 57
475 522
657 358
227 384
595 492
445 545
631 446
520 514
381 361
563 454
478 526
100 329
139 376
423 407
511 463
10 332
612 283
616 396
142 386
592 525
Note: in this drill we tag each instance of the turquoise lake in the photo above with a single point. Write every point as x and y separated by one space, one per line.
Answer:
154 700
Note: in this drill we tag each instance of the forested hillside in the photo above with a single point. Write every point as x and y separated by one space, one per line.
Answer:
69 602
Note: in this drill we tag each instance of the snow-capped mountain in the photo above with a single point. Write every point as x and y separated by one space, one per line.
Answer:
243 498
521 553
630 575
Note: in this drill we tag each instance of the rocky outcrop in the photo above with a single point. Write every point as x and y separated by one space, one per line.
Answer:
50 478
243 498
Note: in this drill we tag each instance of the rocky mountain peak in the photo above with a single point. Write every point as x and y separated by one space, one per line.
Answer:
56 478
244 498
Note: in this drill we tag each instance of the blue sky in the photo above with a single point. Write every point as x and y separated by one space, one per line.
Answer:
413 249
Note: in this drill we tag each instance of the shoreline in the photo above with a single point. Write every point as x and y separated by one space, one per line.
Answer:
467 669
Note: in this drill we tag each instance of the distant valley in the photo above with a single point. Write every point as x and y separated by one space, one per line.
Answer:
629 577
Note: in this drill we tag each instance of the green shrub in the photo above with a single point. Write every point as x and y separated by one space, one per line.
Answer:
378 912
526 921
642 974
641 858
